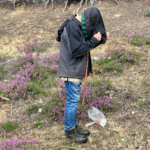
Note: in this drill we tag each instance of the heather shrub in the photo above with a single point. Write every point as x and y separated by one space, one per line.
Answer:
32 74
97 95
139 37
34 45
114 59
10 138
23 142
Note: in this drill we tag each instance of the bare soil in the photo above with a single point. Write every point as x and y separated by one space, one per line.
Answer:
32 21
128 127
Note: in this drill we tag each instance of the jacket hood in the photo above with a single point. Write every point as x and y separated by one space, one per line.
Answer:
92 23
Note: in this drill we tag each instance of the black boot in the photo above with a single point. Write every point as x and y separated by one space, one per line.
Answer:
73 135
82 132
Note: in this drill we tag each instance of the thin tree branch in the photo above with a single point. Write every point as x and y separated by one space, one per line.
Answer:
66 5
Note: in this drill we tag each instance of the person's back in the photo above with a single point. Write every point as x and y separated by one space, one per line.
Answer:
71 66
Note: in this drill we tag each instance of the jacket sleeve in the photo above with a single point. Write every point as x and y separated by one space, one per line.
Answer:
78 48
103 41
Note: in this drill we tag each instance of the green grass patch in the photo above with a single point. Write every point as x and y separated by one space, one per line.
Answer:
37 124
3 58
32 109
67 143
2 71
148 42
98 83
144 103
38 89
42 87
147 13
9 126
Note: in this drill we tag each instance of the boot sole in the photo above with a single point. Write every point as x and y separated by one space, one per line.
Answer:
81 142
78 142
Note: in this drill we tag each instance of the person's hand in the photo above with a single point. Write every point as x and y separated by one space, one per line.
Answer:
98 36
108 35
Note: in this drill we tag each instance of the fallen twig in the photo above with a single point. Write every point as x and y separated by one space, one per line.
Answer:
89 124
4 98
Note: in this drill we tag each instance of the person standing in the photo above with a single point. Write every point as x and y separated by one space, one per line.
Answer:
78 36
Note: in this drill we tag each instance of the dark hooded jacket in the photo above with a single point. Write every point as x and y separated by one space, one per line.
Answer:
76 40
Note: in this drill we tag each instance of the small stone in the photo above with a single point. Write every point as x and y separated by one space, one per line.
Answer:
130 78
40 110
111 93
136 147
133 112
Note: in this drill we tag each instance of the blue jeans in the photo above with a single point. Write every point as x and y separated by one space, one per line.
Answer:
73 97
